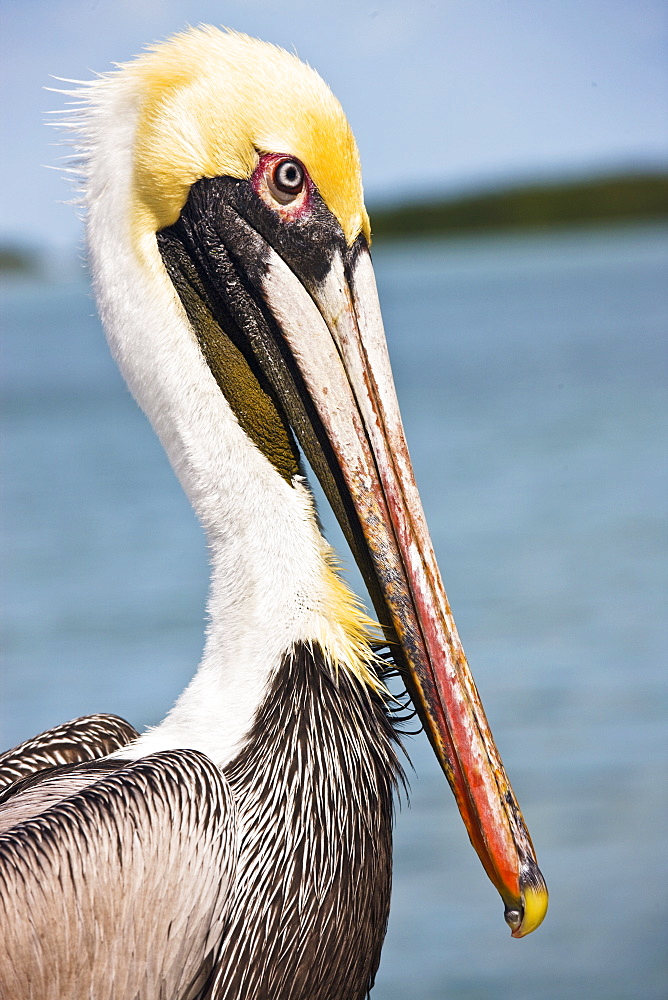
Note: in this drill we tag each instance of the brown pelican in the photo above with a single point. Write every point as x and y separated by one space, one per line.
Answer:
242 848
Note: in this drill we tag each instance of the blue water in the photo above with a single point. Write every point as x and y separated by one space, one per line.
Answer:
532 376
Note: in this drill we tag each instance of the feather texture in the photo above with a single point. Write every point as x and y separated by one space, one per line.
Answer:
314 786
98 895
87 738
165 878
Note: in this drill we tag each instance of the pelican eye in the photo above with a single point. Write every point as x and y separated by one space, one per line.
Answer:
286 180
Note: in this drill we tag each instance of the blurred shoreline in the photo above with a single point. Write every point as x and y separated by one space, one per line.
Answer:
609 199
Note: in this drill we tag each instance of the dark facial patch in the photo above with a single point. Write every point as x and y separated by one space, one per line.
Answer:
216 255
252 404
307 243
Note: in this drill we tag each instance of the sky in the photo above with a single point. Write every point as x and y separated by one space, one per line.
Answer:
443 95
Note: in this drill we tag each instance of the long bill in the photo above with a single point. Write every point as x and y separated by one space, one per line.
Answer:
334 332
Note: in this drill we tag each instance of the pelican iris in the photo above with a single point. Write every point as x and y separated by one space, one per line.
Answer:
242 848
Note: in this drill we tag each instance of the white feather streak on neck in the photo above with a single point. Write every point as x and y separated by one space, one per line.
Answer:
269 574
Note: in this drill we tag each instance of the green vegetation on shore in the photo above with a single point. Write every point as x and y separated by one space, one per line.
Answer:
19 260
627 197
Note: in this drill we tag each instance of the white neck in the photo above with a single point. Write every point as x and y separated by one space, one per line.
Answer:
268 564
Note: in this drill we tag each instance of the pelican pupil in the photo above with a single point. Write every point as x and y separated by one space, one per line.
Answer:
289 177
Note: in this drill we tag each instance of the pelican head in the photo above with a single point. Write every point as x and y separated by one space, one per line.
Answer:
230 249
